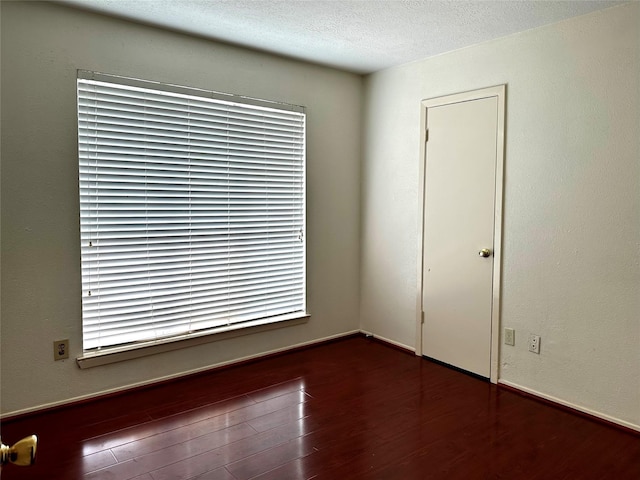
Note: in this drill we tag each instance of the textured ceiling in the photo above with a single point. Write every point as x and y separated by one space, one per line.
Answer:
359 36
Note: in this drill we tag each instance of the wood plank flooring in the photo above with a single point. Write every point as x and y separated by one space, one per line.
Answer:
351 409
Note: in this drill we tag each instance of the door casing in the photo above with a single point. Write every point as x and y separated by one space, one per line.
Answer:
498 91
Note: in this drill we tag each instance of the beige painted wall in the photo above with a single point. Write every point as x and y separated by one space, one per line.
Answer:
571 251
42 46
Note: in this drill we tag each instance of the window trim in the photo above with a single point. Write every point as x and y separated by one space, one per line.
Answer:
107 356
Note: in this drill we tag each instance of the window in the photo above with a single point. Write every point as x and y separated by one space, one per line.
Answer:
192 211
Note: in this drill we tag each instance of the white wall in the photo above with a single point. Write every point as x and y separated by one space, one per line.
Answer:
571 245
42 46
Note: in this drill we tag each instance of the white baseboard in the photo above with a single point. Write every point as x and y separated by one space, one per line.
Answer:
573 406
146 383
392 342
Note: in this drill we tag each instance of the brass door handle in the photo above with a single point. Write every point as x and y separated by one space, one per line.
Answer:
485 252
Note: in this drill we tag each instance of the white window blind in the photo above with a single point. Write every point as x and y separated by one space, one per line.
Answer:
192 210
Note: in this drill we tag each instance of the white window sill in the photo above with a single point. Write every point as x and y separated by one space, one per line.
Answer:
119 354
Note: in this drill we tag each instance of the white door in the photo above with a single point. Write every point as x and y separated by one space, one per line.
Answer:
459 232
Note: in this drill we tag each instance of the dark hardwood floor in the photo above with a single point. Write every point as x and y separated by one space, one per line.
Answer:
350 409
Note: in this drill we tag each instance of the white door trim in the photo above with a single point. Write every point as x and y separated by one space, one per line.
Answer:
498 91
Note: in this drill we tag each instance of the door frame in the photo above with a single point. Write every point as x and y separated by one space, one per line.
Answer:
498 91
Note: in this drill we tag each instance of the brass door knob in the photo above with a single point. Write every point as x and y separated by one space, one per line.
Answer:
485 252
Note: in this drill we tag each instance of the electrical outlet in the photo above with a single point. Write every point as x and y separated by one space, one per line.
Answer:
61 349
534 343
509 336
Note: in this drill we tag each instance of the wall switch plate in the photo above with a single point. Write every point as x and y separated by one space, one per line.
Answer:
61 349
534 343
509 336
